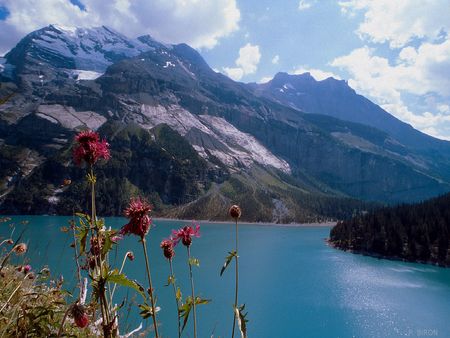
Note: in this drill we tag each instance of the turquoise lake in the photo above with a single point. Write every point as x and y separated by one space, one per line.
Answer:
292 283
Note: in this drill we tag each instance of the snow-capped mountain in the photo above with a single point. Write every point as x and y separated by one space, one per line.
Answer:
204 139
89 49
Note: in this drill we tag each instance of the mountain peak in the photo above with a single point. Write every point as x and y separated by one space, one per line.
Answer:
91 49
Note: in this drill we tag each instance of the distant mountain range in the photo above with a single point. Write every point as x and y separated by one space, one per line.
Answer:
192 140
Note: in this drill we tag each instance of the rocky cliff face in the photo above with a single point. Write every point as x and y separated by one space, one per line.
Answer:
335 98
202 138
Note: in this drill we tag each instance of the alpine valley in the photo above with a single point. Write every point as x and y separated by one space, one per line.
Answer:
192 140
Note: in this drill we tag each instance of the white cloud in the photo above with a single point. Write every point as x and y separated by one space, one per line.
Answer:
276 59
399 21
418 72
423 72
317 74
246 63
304 5
235 73
265 79
198 23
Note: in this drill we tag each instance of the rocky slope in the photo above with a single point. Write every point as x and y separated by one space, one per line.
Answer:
190 139
335 98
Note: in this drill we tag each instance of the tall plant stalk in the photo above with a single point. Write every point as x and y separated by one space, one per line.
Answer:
176 297
194 312
99 261
236 290
150 291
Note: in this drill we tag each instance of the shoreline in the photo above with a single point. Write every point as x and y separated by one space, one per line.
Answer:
384 257
294 225
271 224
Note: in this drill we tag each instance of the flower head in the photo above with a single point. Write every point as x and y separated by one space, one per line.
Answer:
137 213
26 269
130 255
235 211
80 316
90 148
20 248
167 246
185 234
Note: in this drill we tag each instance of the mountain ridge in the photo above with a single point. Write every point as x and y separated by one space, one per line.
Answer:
229 127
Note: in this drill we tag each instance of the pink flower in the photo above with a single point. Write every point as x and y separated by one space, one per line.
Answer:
167 246
185 234
139 223
116 238
90 148
26 269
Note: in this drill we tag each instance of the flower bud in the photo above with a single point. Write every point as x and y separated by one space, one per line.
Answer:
130 255
235 211
167 246
80 316
20 249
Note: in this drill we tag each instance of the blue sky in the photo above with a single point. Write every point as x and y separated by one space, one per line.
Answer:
397 53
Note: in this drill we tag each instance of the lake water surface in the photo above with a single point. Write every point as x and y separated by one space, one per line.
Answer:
292 283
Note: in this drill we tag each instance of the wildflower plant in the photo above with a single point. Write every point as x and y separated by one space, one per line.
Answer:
139 225
185 235
167 245
238 311
92 243
31 304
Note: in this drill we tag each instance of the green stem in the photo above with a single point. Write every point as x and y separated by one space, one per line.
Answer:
13 293
236 257
152 300
103 302
120 271
193 292
176 299
61 328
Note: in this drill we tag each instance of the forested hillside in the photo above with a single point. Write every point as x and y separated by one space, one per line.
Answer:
417 232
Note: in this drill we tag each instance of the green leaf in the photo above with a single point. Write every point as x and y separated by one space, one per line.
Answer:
194 261
146 310
200 301
82 237
83 216
170 280
121 279
178 295
242 320
184 311
228 259
107 245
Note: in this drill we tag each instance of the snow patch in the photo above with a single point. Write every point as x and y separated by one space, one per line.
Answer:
79 74
66 29
169 64
91 49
